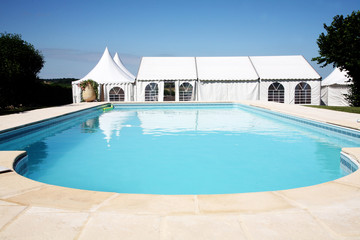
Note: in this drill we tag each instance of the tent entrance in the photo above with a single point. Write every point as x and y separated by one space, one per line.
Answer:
169 91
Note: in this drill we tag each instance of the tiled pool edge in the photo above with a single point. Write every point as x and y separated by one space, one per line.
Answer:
348 163
328 126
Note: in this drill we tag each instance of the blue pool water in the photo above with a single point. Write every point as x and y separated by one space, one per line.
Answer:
186 149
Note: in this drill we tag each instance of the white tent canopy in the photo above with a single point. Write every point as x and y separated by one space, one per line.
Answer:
284 68
334 88
226 79
225 69
167 68
337 77
289 71
110 75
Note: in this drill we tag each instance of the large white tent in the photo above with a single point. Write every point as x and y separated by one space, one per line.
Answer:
334 88
287 79
110 77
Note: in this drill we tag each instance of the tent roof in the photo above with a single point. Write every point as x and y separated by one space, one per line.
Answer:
167 68
225 68
284 67
107 71
336 77
118 61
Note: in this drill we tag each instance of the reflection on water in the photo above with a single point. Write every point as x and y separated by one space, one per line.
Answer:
112 122
201 121
173 121
90 125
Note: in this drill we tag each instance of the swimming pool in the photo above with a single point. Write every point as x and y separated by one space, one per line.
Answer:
182 149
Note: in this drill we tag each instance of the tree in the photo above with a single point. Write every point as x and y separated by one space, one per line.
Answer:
20 63
340 46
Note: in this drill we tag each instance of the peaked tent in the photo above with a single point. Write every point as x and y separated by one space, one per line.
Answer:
108 75
334 88
118 61
226 79
287 79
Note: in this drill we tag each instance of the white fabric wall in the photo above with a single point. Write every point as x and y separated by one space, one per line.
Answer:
76 92
127 87
324 95
333 95
289 90
228 90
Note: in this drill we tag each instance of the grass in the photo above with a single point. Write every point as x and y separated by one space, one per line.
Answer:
341 109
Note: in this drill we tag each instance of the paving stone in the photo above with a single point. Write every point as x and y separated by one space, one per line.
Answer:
150 204
322 194
35 224
284 225
105 225
202 227
62 198
245 202
342 217
12 184
8 213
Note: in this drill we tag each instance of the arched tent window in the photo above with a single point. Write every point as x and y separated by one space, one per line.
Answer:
276 93
303 93
116 94
185 92
151 92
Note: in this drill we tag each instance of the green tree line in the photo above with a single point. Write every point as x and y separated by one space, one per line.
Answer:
340 47
20 86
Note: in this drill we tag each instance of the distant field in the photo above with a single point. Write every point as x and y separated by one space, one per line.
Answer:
64 82
341 109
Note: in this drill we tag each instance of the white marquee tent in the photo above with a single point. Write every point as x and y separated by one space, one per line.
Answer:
108 75
286 79
334 87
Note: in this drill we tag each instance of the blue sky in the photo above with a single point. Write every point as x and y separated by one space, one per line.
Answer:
72 35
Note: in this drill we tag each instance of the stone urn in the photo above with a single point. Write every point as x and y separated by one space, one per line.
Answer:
88 94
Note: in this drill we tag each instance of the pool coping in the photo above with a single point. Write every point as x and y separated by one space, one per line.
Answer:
324 211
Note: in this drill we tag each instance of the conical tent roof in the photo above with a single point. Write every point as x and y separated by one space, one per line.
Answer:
336 77
118 61
107 71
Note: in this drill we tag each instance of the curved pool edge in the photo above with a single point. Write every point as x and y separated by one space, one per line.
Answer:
320 205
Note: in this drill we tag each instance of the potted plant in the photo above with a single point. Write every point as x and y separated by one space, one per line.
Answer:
89 89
